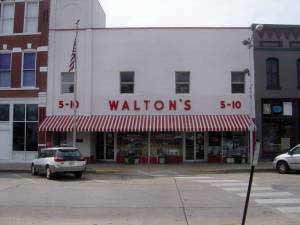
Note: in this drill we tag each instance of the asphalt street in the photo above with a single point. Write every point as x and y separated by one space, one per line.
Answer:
149 198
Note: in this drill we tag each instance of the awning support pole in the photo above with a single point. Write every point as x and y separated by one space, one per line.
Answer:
149 150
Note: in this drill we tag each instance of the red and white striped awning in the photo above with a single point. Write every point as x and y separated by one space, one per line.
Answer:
135 123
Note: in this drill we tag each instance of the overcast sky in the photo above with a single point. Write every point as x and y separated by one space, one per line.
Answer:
144 13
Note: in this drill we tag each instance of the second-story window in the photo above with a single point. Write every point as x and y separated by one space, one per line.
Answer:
29 59
7 17
31 17
5 70
237 82
272 66
67 82
298 73
182 82
126 82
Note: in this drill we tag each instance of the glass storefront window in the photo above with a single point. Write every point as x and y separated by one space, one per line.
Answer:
214 143
234 144
166 144
133 144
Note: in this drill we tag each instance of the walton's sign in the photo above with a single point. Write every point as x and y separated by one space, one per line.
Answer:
150 105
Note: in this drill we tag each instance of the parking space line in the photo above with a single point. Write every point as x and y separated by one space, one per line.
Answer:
289 209
245 188
240 184
278 201
216 181
267 194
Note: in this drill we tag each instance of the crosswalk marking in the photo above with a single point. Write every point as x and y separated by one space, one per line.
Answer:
245 188
289 209
196 177
278 201
216 181
267 194
240 184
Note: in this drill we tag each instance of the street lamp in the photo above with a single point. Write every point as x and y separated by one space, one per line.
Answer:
250 43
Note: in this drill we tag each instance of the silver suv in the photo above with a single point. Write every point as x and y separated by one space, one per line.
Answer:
51 161
288 161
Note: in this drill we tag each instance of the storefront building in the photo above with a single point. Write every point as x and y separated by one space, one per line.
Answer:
23 76
148 95
277 88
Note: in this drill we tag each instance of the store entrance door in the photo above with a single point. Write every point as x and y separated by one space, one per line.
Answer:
105 147
194 147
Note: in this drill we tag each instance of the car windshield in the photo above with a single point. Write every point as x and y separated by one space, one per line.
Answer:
66 153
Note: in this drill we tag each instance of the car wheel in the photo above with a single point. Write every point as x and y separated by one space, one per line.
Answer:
33 170
48 173
282 167
78 174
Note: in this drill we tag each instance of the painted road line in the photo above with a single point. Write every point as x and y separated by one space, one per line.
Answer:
267 194
184 177
216 181
245 188
231 185
289 209
278 201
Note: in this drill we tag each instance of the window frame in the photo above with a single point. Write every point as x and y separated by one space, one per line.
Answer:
6 104
35 65
25 16
25 121
2 13
238 83
62 83
298 72
127 82
270 75
183 82
10 68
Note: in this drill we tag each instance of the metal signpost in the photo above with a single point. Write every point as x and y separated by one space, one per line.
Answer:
253 164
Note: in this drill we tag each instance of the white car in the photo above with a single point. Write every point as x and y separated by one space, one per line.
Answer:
288 161
51 161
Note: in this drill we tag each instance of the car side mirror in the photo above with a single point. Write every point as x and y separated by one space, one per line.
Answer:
290 152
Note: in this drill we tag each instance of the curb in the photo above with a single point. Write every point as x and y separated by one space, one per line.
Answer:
122 171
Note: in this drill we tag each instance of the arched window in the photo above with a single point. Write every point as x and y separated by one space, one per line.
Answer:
298 73
273 82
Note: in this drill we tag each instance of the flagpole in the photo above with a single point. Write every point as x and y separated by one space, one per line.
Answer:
75 89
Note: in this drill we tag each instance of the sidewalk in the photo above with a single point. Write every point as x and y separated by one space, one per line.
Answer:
186 168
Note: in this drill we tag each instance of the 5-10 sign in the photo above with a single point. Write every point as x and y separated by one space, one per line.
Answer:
230 104
72 104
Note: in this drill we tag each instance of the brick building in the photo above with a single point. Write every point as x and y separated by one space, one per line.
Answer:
24 29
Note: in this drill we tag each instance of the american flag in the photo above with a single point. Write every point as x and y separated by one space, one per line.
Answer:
73 56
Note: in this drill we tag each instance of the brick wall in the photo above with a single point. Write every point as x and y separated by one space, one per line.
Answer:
20 41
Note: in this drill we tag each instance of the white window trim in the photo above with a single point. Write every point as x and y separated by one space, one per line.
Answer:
127 82
238 82
1 17
23 53
7 52
62 83
183 82
25 123
25 12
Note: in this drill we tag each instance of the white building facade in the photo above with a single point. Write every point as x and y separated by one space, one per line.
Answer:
147 95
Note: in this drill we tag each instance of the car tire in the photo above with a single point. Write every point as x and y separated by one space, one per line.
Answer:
78 175
282 167
33 170
49 174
